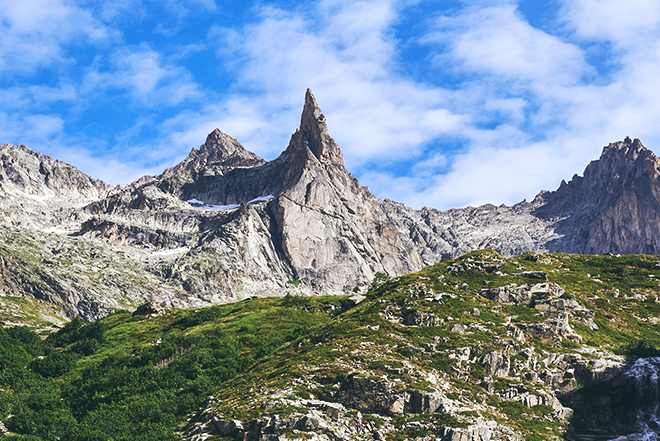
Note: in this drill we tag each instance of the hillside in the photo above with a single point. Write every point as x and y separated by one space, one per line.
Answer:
540 346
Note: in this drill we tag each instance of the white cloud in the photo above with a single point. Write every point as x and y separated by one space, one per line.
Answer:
626 24
149 77
33 32
44 126
34 97
345 53
496 40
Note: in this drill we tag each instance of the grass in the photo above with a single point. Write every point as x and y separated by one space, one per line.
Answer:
248 352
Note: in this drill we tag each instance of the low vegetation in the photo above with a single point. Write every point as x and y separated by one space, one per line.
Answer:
140 378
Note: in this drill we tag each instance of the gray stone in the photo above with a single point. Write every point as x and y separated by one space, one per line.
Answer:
496 364
149 309
509 294
355 300
535 275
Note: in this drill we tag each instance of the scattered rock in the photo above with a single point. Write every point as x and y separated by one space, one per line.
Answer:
150 309
534 275
355 300
509 294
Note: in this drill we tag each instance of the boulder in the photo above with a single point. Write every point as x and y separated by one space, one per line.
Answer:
508 294
355 300
150 309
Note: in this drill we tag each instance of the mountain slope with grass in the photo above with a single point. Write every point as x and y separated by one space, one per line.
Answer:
541 346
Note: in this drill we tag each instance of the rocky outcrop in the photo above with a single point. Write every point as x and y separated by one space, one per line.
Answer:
38 192
317 224
614 207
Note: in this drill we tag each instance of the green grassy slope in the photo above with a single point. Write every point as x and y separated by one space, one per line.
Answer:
138 378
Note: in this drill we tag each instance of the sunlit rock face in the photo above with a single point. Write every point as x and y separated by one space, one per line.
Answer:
225 224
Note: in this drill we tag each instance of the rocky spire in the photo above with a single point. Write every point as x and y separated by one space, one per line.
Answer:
621 154
315 131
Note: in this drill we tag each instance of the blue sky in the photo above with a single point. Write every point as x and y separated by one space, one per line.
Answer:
439 103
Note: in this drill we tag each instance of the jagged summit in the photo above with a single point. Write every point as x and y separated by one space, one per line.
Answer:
623 166
220 147
314 130
222 172
218 152
614 207
621 156
33 175
312 137
225 224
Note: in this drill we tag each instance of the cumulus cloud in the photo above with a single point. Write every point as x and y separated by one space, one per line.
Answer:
34 31
345 52
498 41
543 110
627 25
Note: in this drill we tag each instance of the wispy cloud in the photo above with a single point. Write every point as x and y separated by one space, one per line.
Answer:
498 41
502 110
145 74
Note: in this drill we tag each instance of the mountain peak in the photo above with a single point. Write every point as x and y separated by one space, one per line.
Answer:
312 114
628 149
613 206
219 147
26 172
315 131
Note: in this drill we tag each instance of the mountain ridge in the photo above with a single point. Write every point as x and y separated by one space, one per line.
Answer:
224 224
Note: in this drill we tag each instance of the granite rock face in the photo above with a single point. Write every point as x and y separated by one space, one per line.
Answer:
614 207
225 224
300 217
37 190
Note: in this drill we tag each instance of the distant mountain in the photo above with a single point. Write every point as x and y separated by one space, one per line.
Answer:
225 224
614 207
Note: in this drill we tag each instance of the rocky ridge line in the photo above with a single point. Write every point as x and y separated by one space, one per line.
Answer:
224 224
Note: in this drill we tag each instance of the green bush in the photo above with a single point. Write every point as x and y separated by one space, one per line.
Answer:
55 364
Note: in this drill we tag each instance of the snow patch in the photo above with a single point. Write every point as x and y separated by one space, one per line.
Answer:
170 253
262 199
54 230
203 205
